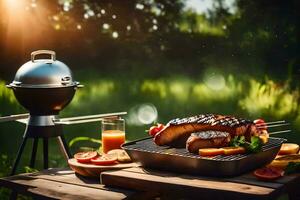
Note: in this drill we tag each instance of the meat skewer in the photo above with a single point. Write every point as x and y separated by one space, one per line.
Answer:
208 131
179 128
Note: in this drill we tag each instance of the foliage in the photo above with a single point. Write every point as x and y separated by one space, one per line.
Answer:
5 165
148 36
270 99
292 167
133 52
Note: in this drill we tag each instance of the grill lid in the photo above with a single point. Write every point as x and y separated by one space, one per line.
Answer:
43 73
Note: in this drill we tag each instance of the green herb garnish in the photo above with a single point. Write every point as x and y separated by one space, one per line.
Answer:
253 147
238 141
292 167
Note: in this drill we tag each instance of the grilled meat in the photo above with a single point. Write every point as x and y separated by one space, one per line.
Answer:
207 139
182 128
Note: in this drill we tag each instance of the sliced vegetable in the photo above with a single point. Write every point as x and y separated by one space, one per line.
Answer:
264 137
283 161
233 150
121 154
288 148
105 159
211 151
268 173
85 157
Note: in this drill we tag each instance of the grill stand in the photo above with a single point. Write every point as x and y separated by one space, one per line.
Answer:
49 126
36 129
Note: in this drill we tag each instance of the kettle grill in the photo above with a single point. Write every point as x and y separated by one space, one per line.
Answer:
44 87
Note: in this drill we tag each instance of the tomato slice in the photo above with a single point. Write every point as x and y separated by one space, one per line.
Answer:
85 157
261 124
105 159
268 173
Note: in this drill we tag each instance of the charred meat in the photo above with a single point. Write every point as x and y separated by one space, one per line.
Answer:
182 128
207 139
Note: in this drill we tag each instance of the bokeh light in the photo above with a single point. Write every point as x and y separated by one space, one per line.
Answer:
142 114
215 81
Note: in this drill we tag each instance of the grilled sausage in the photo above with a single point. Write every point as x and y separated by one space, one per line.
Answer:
182 128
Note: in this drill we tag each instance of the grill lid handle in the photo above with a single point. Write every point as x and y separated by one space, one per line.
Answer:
52 53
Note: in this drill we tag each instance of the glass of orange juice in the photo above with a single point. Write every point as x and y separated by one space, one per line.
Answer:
113 133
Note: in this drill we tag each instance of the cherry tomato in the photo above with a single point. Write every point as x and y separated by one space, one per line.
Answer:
261 124
160 126
268 173
105 159
155 129
85 157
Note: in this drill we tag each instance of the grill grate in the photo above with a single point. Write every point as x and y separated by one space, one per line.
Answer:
147 145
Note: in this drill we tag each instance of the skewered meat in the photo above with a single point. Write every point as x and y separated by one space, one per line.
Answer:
181 129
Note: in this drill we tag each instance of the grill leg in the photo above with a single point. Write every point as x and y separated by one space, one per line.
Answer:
20 151
33 154
45 146
64 146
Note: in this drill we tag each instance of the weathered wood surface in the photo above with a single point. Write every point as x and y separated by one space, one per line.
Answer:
241 187
91 170
65 184
62 184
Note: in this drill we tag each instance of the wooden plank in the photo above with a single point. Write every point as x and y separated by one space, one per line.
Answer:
246 179
66 176
187 186
57 184
56 190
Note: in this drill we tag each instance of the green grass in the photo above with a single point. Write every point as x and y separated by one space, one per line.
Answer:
171 96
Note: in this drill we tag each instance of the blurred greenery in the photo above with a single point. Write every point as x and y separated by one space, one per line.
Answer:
235 57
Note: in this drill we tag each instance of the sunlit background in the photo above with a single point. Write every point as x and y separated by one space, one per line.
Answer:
157 60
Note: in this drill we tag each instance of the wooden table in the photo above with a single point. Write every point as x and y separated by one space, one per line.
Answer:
139 183
201 187
65 184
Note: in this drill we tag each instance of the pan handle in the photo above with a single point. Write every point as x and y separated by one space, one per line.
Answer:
52 53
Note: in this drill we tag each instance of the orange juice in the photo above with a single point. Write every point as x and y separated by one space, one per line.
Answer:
112 139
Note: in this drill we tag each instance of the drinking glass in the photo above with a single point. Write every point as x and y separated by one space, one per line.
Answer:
113 133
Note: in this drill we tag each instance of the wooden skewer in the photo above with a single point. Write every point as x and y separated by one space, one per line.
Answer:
277 132
276 122
271 126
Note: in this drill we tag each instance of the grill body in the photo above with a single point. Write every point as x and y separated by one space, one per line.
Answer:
148 154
